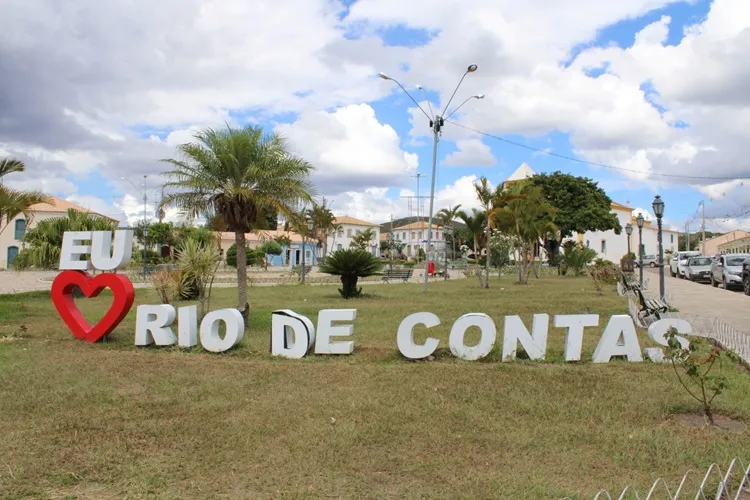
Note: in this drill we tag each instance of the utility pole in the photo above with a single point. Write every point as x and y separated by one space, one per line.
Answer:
703 227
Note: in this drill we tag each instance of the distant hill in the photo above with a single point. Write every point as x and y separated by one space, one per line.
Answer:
386 226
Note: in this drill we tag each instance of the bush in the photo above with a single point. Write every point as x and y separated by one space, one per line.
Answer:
630 255
253 257
604 272
351 264
577 257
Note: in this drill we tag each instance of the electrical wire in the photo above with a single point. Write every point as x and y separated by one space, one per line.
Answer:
594 164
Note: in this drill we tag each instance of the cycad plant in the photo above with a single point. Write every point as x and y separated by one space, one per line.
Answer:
350 264
199 264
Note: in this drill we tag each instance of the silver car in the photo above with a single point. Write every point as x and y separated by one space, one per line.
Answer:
648 260
726 270
698 269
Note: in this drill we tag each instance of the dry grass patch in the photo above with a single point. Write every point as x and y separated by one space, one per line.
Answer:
112 420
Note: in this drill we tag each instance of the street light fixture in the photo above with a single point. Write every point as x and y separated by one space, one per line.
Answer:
639 221
436 124
658 206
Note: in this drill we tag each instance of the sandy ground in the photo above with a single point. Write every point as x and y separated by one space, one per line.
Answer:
28 281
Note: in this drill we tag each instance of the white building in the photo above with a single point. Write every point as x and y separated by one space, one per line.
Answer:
349 227
414 236
607 244
12 231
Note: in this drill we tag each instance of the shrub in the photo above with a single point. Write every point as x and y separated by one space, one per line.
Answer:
577 257
253 257
603 272
351 264
630 255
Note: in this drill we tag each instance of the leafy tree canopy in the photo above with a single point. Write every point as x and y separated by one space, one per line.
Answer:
581 204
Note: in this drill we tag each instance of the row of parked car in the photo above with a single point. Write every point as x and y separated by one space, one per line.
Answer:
727 270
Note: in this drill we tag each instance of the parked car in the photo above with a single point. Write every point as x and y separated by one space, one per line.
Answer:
698 269
726 270
746 276
679 261
648 260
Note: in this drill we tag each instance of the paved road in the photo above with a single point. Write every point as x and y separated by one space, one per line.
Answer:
732 306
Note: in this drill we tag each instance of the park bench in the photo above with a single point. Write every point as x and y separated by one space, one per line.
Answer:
629 285
397 274
651 307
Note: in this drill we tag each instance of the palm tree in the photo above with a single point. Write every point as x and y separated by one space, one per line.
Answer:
323 221
44 242
15 202
239 174
475 223
446 216
491 201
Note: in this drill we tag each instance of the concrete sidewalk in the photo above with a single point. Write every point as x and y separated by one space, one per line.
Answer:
731 306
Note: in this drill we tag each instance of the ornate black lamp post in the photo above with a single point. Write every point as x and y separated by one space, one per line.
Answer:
304 249
658 206
639 220
628 231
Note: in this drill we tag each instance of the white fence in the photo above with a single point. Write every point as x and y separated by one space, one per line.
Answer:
716 484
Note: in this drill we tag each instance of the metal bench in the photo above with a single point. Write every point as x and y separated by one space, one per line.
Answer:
651 307
397 274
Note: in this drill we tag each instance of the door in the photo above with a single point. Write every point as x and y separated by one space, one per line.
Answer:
12 254
297 257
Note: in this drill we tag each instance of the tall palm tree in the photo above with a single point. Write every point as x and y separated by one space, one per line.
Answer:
446 216
323 221
14 202
239 174
44 242
491 201
475 223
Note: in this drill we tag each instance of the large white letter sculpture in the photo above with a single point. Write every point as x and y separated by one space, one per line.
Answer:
152 325
486 341
575 323
405 335
292 334
619 326
657 331
515 331
235 330
324 344
102 257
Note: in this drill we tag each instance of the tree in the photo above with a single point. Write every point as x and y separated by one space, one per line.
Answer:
44 242
270 248
475 225
323 223
491 201
447 216
500 248
14 202
580 205
241 175
350 264
526 219
363 239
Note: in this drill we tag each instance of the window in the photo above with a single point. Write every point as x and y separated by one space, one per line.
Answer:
604 247
308 256
359 232
403 236
413 235
437 235
339 246
420 235
588 244
20 228
671 238
341 233
348 233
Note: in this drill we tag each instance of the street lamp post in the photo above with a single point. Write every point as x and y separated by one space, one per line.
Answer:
447 231
628 231
658 206
639 222
145 211
145 249
436 124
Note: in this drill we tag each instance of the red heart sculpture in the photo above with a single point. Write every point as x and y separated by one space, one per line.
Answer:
62 297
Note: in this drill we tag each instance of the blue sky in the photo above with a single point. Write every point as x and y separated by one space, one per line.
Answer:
617 85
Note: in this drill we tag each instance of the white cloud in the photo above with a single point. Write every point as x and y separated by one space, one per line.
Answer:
350 148
471 152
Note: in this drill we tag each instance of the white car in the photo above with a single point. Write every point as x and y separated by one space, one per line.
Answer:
679 261
698 269
726 270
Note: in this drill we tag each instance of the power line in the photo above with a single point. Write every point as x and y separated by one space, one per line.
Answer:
594 164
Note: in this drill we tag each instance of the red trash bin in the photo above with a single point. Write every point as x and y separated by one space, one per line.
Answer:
431 268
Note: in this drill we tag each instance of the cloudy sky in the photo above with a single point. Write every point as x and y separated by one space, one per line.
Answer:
96 91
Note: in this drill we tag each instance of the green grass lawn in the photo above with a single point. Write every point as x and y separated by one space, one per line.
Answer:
112 420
